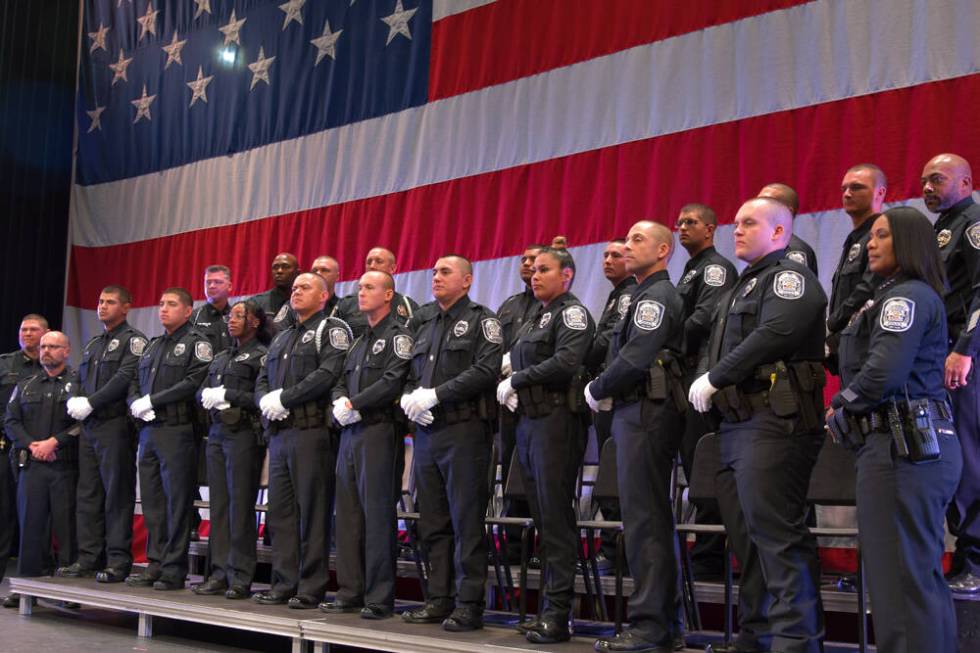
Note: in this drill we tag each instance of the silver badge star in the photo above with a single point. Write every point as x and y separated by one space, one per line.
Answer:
142 105
260 69
294 11
232 28
202 6
148 21
398 22
96 116
326 45
98 38
119 68
173 51
199 87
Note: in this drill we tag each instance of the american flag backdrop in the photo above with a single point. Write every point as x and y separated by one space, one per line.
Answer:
225 131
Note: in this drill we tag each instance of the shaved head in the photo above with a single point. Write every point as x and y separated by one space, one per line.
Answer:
379 258
648 248
946 180
381 278
762 226
783 194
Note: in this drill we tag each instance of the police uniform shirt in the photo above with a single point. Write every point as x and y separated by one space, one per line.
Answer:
775 313
108 366
552 346
305 360
707 277
653 322
895 343
237 369
214 324
275 303
36 411
172 367
617 304
403 310
376 366
800 251
514 312
15 366
457 352
958 236
852 270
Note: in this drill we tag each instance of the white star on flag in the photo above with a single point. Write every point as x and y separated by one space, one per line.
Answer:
232 28
98 38
199 87
202 6
173 51
260 69
96 116
119 68
142 105
398 22
148 21
293 10
326 45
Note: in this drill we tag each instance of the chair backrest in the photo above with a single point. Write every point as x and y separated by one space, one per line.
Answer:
833 478
707 462
606 486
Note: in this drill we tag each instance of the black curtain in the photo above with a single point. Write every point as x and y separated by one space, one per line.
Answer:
38 50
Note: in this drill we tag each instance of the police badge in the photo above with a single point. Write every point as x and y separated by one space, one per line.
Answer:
545 320
690 275
460 328
403 347
378 347
648 315
241 357
797 256
788 285
973 235
281 315
943 238
309 335
179 349
624 305
897 314
854 252
113 345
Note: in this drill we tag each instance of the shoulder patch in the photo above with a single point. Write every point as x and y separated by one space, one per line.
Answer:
339 338
401 310
575 318
113 345
137 345
179 349
897 315
624 304
973 235
943 238
378 346
798 256
545 320
281 315
648 315
854 252
203 351
460 328
690 275
714 275
789 285
403 346
492 330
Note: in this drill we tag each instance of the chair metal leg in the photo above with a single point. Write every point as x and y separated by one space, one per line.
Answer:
687 579
593 568
729 607
522 603
862 606
620 555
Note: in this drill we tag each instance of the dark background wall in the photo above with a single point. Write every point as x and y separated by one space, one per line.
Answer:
38 46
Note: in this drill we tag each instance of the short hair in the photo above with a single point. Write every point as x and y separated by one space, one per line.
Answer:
562 255
36 317
124 295
389 281
317 279
467 264
618 241
915 247
537 246
182 294
786 196
876 172
703 211
224 269
263 332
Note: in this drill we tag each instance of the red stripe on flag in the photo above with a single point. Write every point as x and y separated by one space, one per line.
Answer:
589 197
468 52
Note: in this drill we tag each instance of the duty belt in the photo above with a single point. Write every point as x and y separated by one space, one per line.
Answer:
376 416
538 401
877 420
449 413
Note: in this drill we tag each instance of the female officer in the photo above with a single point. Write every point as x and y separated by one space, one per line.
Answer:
234 452
892 408
546 360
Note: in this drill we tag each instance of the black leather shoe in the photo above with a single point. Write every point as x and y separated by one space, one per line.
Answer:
74 570
111 575
340 606
429 613
627 641
210 587
237 593
549 632
376 612
965 583
302 602
271 598
679 643
525 626
168 585
143 579
464 619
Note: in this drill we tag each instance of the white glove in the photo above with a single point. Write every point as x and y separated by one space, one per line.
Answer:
425 398
405 402
597 404
424 418
342 410
505 368
354 417
700 394
511 403
79 408
214 398
141 406
149 415
272 408
505 391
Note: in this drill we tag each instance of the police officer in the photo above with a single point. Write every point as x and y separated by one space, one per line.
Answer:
14 367
293 393
646 396
235 451
403 308
45 441
546 389
161 398
106 446
707 277
863 193
892 409
455 363
798 249
275 301
328 268
211 317
947 187
366 406
766 377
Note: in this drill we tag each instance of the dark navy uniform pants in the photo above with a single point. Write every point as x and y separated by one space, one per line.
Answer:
965 509
46 507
